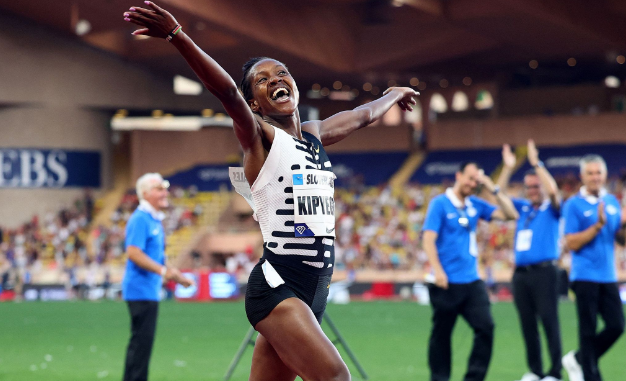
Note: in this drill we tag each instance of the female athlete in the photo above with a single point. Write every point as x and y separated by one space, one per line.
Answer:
290 177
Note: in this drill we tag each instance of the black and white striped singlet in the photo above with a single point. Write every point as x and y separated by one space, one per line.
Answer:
272 193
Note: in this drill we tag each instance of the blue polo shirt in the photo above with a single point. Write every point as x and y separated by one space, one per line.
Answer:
537 233
594 262
456 243
145 231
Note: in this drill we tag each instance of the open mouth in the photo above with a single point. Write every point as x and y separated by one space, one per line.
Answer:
280 95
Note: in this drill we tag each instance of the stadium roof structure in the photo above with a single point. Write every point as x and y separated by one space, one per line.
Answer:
358 40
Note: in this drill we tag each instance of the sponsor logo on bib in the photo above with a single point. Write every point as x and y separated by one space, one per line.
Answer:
314 203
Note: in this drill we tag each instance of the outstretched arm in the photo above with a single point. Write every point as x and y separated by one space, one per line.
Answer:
157 22
339 126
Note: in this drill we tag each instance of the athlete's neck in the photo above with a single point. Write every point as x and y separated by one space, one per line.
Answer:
290 124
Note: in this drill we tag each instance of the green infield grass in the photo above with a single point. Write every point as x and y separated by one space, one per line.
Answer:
67 341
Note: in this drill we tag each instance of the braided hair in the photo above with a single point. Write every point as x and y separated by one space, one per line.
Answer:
246 88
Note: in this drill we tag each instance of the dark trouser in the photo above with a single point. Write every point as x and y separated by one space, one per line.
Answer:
593 299
472 302
143 315
535 291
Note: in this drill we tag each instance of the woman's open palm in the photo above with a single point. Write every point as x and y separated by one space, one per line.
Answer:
155 22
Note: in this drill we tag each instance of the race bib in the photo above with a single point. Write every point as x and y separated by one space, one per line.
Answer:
524 239
314 203
473 249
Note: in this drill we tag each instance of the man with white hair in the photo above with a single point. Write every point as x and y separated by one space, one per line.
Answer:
592 223
145 270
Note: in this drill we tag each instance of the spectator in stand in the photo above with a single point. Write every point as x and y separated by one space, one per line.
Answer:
145 271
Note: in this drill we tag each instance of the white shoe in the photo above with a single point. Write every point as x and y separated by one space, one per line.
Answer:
550 378
571 365
530 377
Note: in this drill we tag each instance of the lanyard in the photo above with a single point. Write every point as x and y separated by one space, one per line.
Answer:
531 217
463 219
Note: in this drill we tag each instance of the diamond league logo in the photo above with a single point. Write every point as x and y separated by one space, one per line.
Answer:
301 229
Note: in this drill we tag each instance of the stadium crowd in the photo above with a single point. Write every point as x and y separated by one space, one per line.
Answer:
379 227
66 241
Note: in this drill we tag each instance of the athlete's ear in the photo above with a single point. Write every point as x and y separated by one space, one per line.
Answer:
254 106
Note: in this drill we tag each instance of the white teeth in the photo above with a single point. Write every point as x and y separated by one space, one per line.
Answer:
278 90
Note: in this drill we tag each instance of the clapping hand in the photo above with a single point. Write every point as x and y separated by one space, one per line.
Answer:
601 215
508 157
533 153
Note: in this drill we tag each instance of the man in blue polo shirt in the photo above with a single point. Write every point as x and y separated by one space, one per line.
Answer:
535 281
145 270
592 224
449 240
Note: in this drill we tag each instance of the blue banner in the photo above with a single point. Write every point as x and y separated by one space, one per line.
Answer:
371 168
564 161
442 165
208 178
49 168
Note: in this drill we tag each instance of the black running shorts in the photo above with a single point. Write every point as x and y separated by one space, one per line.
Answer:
261 299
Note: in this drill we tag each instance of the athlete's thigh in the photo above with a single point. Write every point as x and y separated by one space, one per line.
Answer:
267 365
296 336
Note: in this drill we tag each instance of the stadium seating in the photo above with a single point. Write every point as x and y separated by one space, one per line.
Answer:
378 230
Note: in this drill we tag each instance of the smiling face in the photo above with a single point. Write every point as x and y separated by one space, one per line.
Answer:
467 180
274 91
156 195
532 186
593 176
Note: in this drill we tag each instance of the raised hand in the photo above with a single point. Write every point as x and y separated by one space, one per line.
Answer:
406 94
533 153
155 21
508 157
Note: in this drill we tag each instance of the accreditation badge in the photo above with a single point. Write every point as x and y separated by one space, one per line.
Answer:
473 245
314 203
524 240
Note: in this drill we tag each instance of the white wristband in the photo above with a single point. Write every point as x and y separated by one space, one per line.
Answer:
163 270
